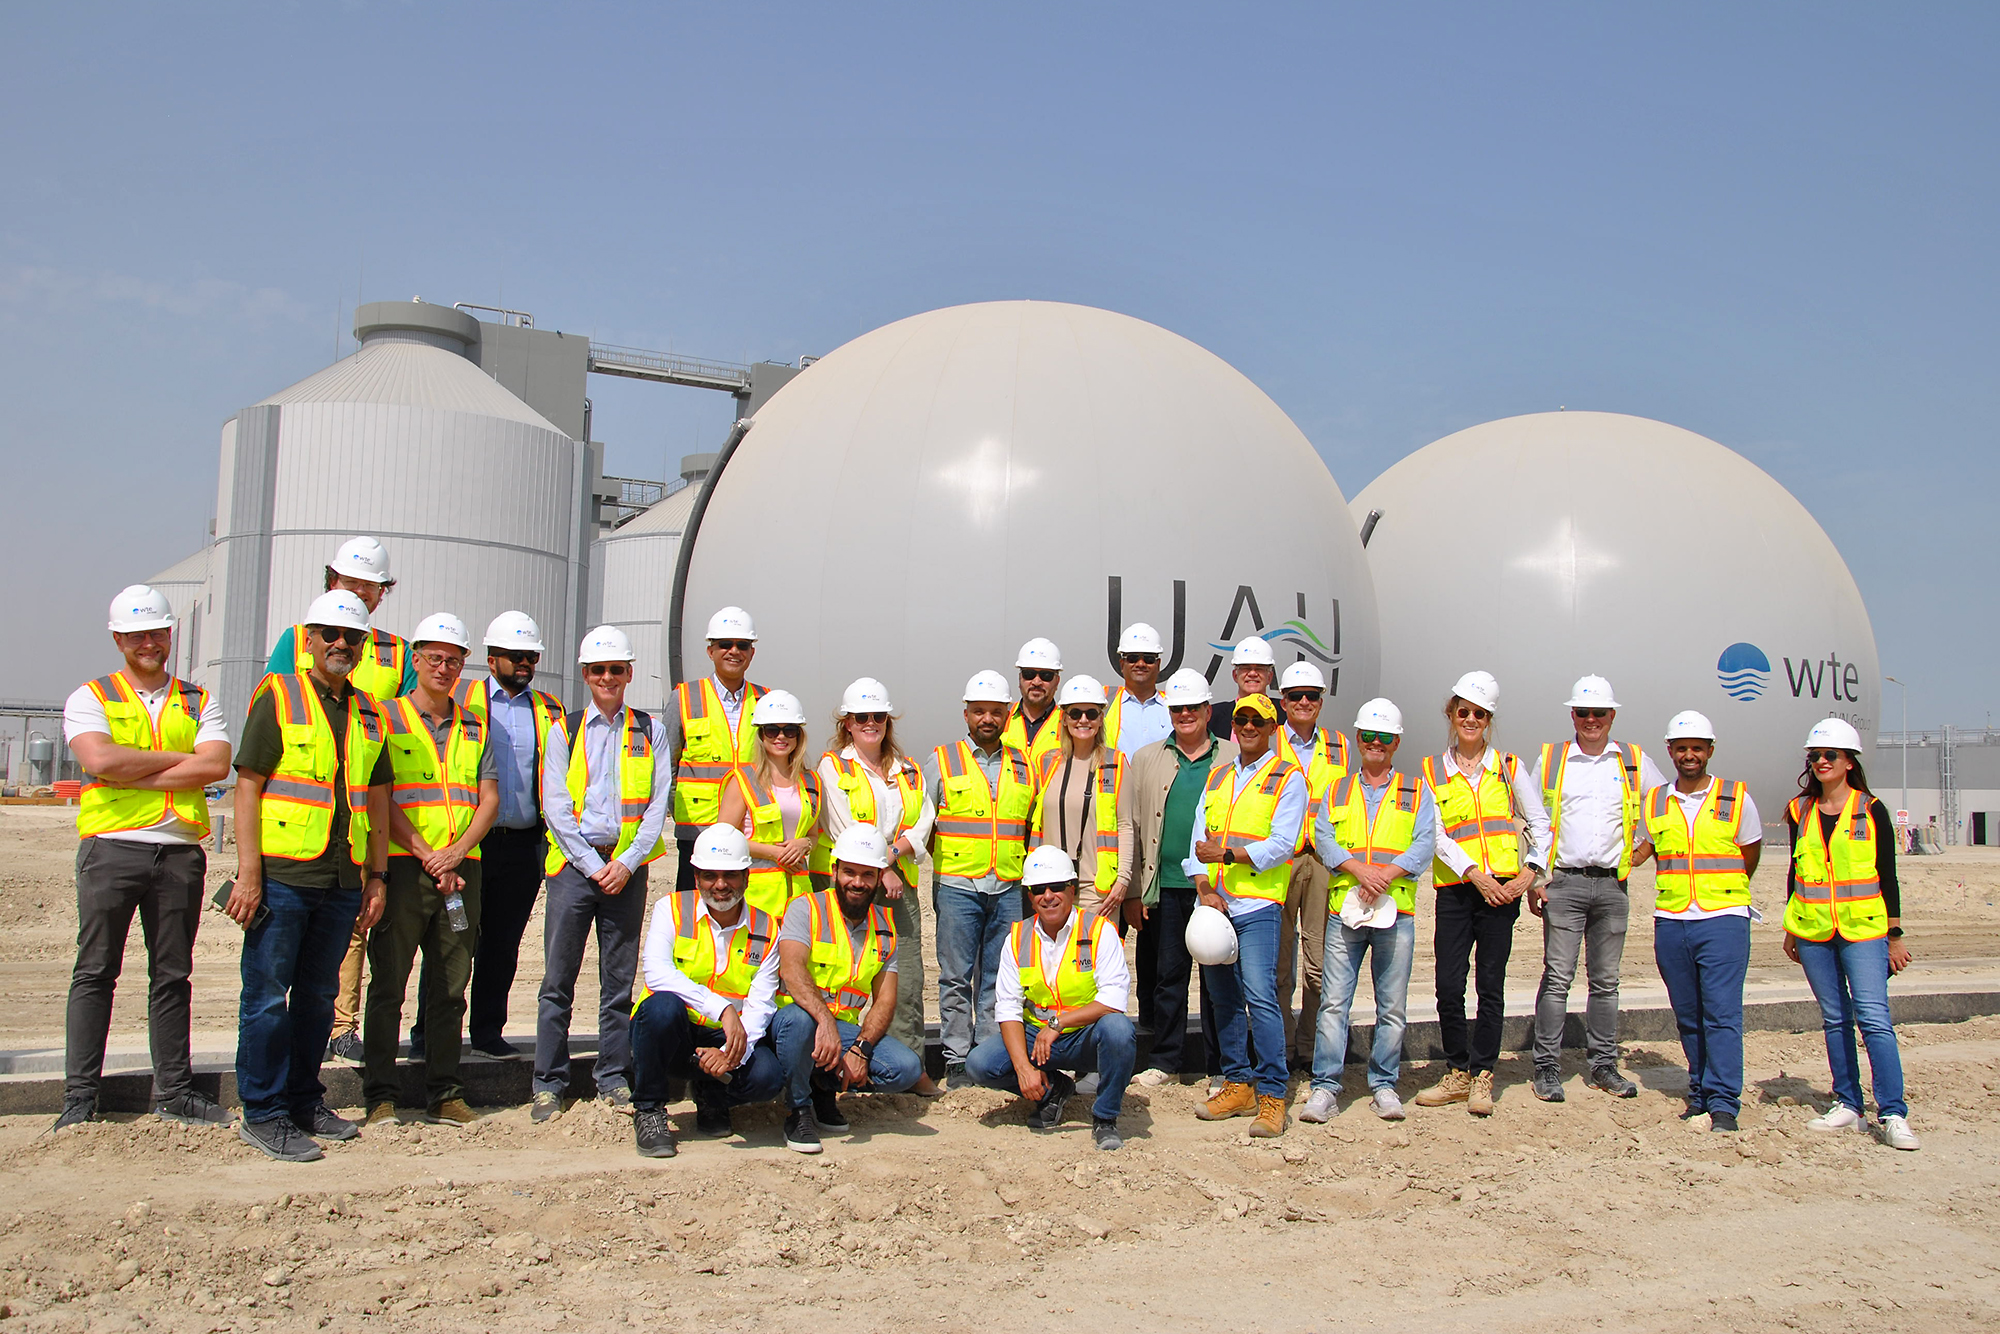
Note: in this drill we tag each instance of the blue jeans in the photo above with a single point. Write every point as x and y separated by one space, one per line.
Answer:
291 970
1703 964
970 929
1850 980
665 1038
894 1068
1110 1047
1391 951
1246 1000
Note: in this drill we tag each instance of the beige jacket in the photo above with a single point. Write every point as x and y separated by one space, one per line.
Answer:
1143 809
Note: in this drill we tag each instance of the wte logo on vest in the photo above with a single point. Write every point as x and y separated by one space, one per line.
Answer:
1743 670
1295 634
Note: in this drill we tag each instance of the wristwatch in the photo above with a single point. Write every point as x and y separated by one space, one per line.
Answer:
865 1047
1229 856
1895 933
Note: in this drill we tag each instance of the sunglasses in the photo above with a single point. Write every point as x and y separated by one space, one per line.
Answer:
740 645
1376 738
1140 657
528 656
1178 709
1824 756
868 717
792 730
1083 715
1043 891
1590 713
341 635
1250 720
1472 711
1301 696
1038 674
607 669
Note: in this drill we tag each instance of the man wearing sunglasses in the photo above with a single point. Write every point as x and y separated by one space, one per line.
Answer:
1323 754
1253 668
1031 728
712 733
1591 787
1135 716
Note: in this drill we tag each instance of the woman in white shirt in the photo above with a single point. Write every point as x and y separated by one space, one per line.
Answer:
776 803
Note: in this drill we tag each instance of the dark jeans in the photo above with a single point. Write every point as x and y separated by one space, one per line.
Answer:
1465 922
414 920
1704 964
893 1069
1163 940
684 866
162 882
511 881
664 1039
575 907
291 970
1110 1047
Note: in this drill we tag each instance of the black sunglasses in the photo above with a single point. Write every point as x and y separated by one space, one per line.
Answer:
341 634
1059 887
792 730
1301 696
1038 674
1824 756
1247 719
1140 657
740 645
1472 711
607 668
526 655
1080 714
1376 738
868 717
1184 708
1590 713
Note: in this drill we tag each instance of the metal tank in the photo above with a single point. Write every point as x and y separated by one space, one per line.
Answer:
1544 547
185 585
922 500
633 568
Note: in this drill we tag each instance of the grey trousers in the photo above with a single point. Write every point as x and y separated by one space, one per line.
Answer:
573 906
1585 915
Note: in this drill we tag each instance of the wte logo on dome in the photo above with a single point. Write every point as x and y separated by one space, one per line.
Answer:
1743 670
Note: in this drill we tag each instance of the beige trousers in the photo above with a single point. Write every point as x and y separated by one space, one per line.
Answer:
1302 930
347 1001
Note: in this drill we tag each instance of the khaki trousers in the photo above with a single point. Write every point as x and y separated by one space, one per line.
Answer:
347 1001
1302 929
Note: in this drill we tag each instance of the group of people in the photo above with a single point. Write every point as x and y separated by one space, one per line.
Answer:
388 810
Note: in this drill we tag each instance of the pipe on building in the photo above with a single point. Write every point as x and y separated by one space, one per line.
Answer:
685 555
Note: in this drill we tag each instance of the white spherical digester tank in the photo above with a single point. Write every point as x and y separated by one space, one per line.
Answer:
925 498
1548 546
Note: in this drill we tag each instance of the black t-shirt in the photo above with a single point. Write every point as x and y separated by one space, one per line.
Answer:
1885 852
264 745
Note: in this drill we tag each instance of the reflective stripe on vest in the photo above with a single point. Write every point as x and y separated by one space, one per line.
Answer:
1107 778
710 750
851 776
978 831
1555 763
694 953
1329 762
1376 842
1704 870
772 887
439 795
1836 885
378 668
845 984
105 807
295 810
1483 816
1239 818
1050 738
1075 980
636 769
477 697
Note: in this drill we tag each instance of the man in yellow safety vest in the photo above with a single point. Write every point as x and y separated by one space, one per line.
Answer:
712 733
1033 728
1322 753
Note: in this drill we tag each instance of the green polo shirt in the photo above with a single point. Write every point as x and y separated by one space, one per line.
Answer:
1183 800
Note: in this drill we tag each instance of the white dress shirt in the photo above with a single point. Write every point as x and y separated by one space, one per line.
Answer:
1528 810
83 712
1114 980
1749 829
657 967
836 815
1593 805
1267 852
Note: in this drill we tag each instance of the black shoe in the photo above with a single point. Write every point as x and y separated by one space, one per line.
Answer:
499 1049
1105 1133
801 1135
1691 1110
955 1076
322 1122
416 1046
346 1048
76 1110
655 1135
547 1108
1607 1078
1725 1121
1049 1111
194 1109
826 1111
279 1139
1548 1085
713 1121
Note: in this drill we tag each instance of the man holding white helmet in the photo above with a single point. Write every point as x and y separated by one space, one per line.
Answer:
611 760
1135 716
1061 1003
1253 668
445 793
983 789
1029 728
708 989
1706 837
1591 788
382 667
712 733
1323 754
148 743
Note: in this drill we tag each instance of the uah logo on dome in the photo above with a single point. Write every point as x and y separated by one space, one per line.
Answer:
1743 670
1292 634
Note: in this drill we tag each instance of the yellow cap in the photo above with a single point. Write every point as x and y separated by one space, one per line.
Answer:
1258 703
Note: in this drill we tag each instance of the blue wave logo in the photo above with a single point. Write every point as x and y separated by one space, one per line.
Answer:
1297 634
1743 670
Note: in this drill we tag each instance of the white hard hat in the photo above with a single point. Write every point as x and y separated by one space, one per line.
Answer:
1040 653
1048 865
1591 692
1252 652
1080 689
1302 676
863 845
776 707
721 847
338 607
1379 715
988 688
866 696
607 643
1140 637
732 623
1479 688
140 607
1688 725
1835 732
1186 686
1210 937
442 628
515 630
362 558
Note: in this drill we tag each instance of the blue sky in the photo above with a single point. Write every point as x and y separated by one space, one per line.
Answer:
1772 225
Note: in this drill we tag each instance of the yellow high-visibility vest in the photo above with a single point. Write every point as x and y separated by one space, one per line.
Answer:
1015 734
772 887
378 665
710 748
439 794
1481 817
1075 981
1374 843
845 983
1329 762
1108 780
295 814
1836 884
852 778
477 699
694 952
106 808
1555 763
1705 870
977 830
635 784
1240 817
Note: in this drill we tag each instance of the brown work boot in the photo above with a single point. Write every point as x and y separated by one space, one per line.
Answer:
382 1113
451 1112
1454 1087
1234 1100
1270 1118
1480 1100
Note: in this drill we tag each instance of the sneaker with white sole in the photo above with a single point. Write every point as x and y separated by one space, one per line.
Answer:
1321 1106
1839 1117
1151 1078
1896 1133
1387 1105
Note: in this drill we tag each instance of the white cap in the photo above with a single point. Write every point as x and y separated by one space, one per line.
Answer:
732 623
1252 652
1479 688
607 643
776 707
1591 692
338 607
866 696
516 630
1302 676
1040 653
863 845
721 847
442 628
140 607
1186 686
1835 732
1080 689
1689 725
1210 937
362 558
1140 637
988 688
1048 865
1379 715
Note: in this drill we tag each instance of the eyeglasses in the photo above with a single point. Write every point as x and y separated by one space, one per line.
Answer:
868 717
1083 714
1376 738
332 634
1140 657
1038 674
161 636
1824 756
1472 711
1301 696
1590 713
452 660
792 730
1247 719
1178 709
607 668
528 656
740 645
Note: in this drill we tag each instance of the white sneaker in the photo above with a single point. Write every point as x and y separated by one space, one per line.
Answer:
1151 1078
1896 1133
1840 1117
1320 1106
1387 1105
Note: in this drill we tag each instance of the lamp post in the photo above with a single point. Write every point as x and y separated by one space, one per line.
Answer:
1904 692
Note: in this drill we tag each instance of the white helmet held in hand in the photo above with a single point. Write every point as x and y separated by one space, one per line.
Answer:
988 688
1301 676
1252 652
1379 715
1836 733
337 607
1591 692
863 845
1040 653
732 623
441 628
607 643
1186 686
721 847
776 708
1048 865
1210 937
1479 688
1689 725
1140 637
362 558
1080 690
514 630
866 695
140 607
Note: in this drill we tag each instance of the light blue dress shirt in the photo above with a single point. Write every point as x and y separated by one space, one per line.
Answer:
580 839
1422 843
1142 722
512 718
1267 852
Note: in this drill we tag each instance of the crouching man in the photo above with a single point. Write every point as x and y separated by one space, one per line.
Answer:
1061 1005
837 955
708 986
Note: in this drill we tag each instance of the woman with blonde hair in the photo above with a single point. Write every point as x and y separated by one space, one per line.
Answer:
775 801
1078 787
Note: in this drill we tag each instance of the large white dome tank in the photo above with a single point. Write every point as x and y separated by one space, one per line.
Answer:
1548 546
925 498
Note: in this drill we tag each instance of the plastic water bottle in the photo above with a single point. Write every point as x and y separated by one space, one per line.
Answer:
454 911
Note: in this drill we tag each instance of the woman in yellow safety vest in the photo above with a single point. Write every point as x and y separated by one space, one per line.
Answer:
1076 806
1843 925
776 803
